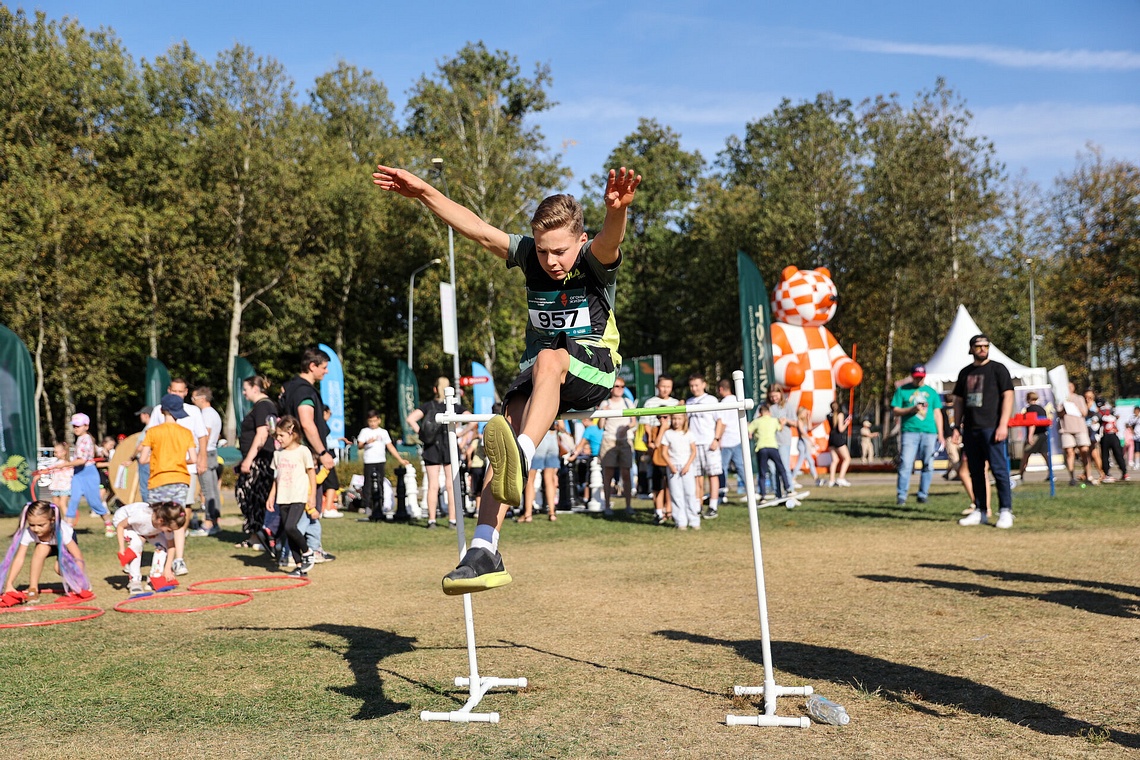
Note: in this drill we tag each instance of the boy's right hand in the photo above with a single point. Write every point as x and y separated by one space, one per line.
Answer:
399 181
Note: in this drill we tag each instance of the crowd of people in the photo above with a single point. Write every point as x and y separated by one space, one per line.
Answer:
287 478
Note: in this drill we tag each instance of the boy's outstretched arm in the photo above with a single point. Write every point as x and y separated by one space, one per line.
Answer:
621 186
459 217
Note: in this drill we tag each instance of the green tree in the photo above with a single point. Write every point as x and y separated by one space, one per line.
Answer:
1093 297
64 96
253 171
477 113
646 308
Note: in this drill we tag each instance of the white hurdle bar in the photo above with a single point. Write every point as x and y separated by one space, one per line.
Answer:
478 686
769 690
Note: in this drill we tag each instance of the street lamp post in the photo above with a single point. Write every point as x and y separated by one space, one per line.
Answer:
437 163
411 300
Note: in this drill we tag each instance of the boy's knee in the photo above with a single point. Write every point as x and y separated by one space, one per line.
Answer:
552 360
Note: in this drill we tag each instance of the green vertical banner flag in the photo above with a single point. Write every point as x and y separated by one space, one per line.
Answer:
755 328
408 396
17 423
157 381
242 370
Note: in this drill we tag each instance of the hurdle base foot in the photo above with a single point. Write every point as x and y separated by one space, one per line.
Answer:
766 720
465 714
778 691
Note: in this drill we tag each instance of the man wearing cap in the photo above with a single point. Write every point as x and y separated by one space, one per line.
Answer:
920 410
983 402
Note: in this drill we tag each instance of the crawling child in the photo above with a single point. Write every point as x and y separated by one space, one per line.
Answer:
137 523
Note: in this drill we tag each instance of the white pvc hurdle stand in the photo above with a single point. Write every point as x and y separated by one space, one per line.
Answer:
477 685
770 690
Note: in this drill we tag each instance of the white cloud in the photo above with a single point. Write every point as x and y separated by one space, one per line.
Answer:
1051 134
1010 57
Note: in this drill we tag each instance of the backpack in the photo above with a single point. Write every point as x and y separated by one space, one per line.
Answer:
430 429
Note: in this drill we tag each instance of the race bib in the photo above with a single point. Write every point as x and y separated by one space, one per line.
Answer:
564 311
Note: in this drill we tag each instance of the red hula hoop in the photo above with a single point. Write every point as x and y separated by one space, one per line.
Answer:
301 582
123 605
95 612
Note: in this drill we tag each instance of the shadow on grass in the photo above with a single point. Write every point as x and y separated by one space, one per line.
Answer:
367 647
1096 602
1007 575
884 512
614 668
906 684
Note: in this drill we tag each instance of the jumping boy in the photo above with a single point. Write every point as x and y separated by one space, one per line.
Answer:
571 339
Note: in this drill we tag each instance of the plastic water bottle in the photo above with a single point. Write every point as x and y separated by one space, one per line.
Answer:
823 710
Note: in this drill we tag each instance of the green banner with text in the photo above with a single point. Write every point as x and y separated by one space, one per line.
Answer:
755 328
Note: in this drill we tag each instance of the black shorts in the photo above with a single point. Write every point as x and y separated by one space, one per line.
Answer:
659 478
588 382
437 453
1038 446
332 482
477 475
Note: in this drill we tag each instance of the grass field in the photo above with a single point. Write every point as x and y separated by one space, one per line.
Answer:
941 641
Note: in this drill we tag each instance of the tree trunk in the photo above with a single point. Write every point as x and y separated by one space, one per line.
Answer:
39 395
888 377
152 284
230 427
65 387
345 292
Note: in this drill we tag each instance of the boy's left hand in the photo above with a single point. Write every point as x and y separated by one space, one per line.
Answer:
620 188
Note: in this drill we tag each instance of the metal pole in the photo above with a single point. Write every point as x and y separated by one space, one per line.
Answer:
438 164
411 299
1032 320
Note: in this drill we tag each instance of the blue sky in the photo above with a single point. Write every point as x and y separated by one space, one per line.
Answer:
1042 78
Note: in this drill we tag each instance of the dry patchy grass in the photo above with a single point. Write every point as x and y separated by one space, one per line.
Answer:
941 642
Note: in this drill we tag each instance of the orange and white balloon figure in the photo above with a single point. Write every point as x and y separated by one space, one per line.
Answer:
807 358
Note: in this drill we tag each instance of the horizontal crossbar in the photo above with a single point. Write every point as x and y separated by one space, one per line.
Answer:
444 418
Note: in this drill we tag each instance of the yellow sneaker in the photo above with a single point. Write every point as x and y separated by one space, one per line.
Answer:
479 570
508 466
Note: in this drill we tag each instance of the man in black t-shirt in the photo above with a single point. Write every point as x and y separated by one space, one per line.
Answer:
983 402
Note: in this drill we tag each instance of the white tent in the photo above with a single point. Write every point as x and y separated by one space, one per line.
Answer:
942 369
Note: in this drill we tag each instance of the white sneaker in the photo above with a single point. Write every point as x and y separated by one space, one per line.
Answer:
332 514
974 518
180 567
1005 520
842 483
796 486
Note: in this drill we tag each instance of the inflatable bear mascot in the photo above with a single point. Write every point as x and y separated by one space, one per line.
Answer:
807 358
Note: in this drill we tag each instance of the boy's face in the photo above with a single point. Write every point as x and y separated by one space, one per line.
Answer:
557 250
373 422
664 388
697 386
